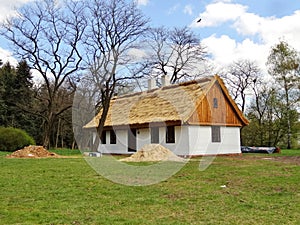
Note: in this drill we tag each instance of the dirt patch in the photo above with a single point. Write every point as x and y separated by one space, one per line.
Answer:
33 151
287 159
153 153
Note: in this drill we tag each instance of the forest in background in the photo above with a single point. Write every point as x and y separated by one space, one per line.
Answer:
104 48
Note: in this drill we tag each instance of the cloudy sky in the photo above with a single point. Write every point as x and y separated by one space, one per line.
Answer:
230 29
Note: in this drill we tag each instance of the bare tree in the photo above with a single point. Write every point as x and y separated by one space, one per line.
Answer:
242 77
114 28
175 52
47 35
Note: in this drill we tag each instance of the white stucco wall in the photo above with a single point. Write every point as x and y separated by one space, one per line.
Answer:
143 137
200 141
189 140
230 140
119 148
181 145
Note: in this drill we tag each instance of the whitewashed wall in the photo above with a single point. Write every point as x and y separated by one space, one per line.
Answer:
119 148
200 141
189 140
181 145
143 137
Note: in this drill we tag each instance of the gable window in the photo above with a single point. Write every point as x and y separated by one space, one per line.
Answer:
154 135
103 137
215 134
170 134
215 103
113 137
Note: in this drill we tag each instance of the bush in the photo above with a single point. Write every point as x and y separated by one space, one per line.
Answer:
12 139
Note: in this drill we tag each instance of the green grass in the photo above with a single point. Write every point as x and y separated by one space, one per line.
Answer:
68 191
66 152
290 152
284 152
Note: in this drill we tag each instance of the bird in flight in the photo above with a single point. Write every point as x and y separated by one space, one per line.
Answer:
198 21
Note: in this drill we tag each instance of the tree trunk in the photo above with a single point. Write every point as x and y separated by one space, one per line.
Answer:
289 133
57 134
288 114
241 138
73 144
48 130
99 129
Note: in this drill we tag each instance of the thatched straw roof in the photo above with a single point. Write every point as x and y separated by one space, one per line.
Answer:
166 104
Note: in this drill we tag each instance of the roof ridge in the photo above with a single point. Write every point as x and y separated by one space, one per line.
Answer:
171 86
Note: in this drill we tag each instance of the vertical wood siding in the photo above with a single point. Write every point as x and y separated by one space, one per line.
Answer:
208 114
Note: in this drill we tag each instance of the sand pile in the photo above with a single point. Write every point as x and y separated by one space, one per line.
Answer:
153 153
32 152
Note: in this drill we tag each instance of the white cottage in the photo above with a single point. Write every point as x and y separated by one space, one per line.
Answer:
191 118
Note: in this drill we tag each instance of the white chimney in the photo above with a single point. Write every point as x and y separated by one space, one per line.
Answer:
151 84
165 80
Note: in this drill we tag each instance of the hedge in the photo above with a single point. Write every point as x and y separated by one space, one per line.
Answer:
12 139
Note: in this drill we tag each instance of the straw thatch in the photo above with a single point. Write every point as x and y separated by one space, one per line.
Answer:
170 103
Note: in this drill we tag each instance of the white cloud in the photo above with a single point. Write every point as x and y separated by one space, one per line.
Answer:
218 13
8 8
6 56
220 48
258 33
268 29
142 2
188 9
271 29
136 54
222 1
225 50
173 9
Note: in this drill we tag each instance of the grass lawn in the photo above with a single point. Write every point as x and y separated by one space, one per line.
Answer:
68 191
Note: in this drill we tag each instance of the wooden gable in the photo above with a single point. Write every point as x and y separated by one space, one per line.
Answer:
216 108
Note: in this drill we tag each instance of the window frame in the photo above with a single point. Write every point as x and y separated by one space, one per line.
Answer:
112 137
170 135
215 134
103 137
154 132
215 103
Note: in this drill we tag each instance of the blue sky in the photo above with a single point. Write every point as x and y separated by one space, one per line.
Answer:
230 29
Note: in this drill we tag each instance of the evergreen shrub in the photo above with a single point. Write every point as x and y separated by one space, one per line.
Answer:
12 139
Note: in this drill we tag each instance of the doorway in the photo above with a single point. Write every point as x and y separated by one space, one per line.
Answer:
132 140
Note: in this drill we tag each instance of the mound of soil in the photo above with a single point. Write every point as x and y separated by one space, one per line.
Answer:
32 151
153 153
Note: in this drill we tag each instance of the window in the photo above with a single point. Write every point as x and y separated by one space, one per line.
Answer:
103 137
154 135
215 103
215 134
113 137
170 134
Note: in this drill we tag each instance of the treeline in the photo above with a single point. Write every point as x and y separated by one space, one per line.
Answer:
274 98
99 48
22 105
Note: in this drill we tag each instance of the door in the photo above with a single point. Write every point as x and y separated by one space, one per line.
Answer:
132 140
